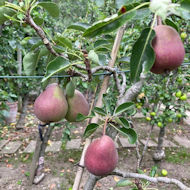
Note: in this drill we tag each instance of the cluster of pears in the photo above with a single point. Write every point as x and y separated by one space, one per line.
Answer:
52 105
168 48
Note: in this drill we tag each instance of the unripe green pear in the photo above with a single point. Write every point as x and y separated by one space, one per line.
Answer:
101 156
51 105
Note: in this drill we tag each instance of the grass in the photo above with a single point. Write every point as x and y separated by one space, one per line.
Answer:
178 156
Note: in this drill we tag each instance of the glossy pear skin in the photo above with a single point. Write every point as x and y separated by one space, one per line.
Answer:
168 48
101 156
51 105
77 104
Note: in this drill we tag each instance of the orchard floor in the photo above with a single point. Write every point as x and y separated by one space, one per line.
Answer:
60 167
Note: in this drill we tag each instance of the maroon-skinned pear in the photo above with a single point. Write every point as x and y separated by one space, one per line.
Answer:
51 105
101 156
77 104
168 48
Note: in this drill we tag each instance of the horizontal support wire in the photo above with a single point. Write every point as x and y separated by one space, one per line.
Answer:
66 76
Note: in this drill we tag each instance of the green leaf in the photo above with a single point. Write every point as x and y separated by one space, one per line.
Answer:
100 43
62 41
129 133
140 171
124 183
81 117
120 3
70 89
93 57
99 111
99 3
2 2
57 65
143 55
107 104
30 61
90 129
5 11
123 122
38 20
153 171
123 107
103 59
128 7
142 14
170 22
186 5
181 12
43 52
51 8
79 26
108 25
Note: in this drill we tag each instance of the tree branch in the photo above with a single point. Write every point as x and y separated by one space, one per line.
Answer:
151 179
123 85
133 91
91 182
41 33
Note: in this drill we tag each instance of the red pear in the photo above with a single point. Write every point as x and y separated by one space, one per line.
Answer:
168 48
77 104
101 156
51 105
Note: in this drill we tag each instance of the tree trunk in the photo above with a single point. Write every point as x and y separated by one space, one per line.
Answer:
160 153
19 71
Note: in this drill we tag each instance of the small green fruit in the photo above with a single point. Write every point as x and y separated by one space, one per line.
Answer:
164 172
183 35
178 94
148 118
179 80
179 115
184 97
153 114
139 107
160 124
170 120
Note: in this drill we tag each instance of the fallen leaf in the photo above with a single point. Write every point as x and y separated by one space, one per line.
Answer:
49 142
9 166
98 184
52 186
75 132
71 160
116 179
47 170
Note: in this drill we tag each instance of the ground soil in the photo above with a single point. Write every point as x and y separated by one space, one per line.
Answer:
60 168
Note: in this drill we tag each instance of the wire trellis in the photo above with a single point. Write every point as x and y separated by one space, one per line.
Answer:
66 76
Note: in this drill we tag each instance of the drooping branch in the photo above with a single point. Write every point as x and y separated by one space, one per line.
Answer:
41 33
87 63
77 73
151 179
111 70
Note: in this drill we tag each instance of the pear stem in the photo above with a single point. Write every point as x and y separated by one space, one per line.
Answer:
105 124
159 20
